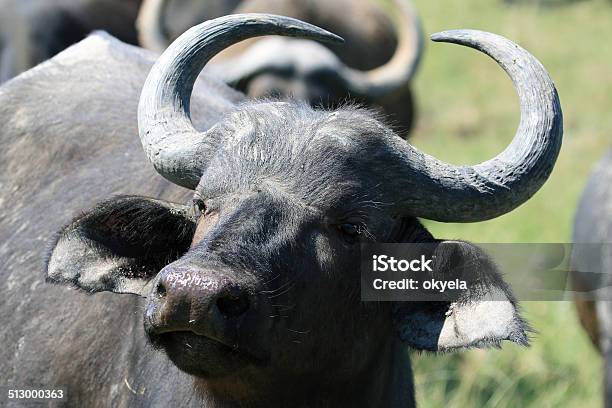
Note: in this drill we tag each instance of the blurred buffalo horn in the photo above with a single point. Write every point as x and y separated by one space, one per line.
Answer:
177 150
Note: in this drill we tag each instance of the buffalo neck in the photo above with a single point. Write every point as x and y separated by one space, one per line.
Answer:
386 383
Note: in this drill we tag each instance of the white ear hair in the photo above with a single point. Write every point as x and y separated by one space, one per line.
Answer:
78 262
485 322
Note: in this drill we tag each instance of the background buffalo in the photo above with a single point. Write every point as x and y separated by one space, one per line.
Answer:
592 264
32 31
374 67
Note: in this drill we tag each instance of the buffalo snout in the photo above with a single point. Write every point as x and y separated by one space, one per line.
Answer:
204 301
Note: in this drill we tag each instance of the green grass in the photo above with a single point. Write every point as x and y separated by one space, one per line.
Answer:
468 112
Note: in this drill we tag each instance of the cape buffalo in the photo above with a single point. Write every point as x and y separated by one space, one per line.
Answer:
374 67
251 271
592 264
32 31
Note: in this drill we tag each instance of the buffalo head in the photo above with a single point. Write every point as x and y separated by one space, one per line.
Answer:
255 282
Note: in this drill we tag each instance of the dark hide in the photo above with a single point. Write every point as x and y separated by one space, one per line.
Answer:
33 31
69 139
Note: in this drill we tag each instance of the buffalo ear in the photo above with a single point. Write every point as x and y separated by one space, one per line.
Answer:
482 316
120 245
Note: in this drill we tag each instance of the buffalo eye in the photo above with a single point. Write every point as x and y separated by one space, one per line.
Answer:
350 231
199 208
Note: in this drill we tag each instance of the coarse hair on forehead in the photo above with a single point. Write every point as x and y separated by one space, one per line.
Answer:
299 148
271 121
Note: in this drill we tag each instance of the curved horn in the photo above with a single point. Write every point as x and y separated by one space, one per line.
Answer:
176 149
150 25
445 192
399 70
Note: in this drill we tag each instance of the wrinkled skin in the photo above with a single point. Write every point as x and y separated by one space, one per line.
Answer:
593 264
305 338
32 31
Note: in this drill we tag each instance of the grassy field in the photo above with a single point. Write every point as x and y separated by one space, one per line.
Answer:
468 112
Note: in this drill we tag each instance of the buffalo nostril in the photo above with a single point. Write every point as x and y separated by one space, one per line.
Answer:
160 289
233 304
